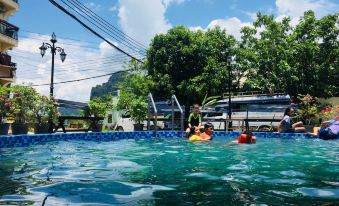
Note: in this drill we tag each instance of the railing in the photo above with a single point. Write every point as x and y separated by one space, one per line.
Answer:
152 104
174 99
6 61
8 29
252 93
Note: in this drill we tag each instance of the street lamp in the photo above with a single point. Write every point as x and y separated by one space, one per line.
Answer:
54 49
229 68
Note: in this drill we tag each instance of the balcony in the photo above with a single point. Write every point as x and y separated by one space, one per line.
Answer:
8 36
7 67
8 29
9 7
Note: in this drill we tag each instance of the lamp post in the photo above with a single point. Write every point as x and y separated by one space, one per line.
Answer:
54 49
229 68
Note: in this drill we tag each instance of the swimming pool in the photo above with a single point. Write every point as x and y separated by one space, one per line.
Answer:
170 171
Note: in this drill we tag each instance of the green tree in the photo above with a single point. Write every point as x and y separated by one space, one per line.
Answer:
189 64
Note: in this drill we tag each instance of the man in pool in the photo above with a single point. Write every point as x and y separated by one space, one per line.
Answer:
208 131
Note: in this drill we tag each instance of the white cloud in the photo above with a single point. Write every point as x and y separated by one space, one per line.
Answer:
296 8
293 8
142 20
232 25
82 61
196 28
167 3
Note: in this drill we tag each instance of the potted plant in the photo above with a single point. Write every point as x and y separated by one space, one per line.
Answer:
43 109
135 106
23 100
307 111
138 110
5 108
97 107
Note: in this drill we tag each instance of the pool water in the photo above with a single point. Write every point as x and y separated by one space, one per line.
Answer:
172 172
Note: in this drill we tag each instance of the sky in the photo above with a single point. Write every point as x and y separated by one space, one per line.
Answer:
89 56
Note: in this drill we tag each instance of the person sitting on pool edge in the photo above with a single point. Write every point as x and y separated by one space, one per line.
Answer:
247 138
328 130
194 120
208 131
286 125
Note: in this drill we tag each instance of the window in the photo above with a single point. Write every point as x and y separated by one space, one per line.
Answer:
110 119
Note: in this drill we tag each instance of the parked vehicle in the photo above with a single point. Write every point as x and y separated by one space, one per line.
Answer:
252 106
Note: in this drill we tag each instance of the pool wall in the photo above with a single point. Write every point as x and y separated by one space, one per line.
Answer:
26 140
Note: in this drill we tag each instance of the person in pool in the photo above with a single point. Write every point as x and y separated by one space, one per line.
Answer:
205 136
247 138
208 131
286 125
196 135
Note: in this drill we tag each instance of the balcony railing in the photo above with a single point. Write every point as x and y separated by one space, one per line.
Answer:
6 61
8 29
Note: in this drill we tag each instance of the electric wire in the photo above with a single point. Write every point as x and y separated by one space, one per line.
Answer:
120 33
76 80
100 26
90 29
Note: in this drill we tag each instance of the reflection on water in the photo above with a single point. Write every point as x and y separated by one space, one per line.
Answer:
171 172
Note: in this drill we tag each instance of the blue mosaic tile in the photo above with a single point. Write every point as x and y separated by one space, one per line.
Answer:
26 140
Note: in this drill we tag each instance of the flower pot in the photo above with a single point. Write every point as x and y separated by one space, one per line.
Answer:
138 127
41 128
18 128
4 127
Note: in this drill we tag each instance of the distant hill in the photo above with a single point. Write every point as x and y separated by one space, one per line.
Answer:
110 87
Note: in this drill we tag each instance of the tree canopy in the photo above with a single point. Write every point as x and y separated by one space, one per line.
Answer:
271 56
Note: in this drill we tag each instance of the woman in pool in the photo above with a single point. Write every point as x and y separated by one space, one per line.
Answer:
286 125
196 135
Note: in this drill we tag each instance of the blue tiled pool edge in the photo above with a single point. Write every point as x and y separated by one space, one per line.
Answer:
26 140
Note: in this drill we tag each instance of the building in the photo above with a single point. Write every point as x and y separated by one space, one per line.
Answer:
8 40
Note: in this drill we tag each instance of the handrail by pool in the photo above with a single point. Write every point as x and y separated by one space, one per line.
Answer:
151 103
174 98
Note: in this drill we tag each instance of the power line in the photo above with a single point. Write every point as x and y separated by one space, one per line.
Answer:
79 67
66 38
90 29
102 27
111 26
64 73
76 80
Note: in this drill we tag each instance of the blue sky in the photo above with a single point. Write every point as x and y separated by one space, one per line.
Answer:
140 19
